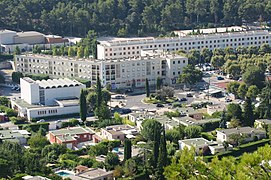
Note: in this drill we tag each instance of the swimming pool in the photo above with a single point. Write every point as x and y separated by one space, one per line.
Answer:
64 173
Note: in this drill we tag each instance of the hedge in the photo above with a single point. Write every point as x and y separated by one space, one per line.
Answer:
56 117
35 126
6 57
208 136
210 126
236 152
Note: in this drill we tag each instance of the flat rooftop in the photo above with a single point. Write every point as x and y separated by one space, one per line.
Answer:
196 142
71 131
71 101
29 33
12 134
240 130
91 173
188 121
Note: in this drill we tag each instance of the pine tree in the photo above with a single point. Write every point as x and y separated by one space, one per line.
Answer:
147 88
162 158
248 117
127 149
83 106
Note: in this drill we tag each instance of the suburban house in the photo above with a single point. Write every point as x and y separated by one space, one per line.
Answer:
83 172
47 98
118 132
71 136
212 108
19 136
248 133
261 123
200 143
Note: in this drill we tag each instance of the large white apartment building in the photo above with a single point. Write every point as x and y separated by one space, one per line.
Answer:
120 73
47 97
112 48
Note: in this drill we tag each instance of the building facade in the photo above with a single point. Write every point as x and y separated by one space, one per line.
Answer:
47 97
121 73
112 48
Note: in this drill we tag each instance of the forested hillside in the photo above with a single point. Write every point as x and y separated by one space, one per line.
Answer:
132 17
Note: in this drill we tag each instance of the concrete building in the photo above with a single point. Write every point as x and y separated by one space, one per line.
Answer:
48 97
197 143
248 133
19 136
29 37
6 36
120 73
112 48
118 132
70 136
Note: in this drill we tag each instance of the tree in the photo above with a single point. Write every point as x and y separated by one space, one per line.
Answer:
149 128
111 160
80 52
127 149
206 55
164 93
158 83
55 51
130 168
234 111
86 52
248 117
242 90
223 120
71 52
17 50
147 88
264 108
4 101
103 112
83 105
16 76
233 87
217 61
162 158
264 49
156 144
190 75
252 92
98 92
192 131
193 57
225 145
2 79
38 141
254 76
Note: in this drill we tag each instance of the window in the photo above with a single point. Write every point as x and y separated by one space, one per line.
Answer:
173 62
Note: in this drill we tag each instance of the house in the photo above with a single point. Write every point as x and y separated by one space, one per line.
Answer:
118 132
71 136
248 133
45 98
19 136
84 173
261 123
197 143
35 178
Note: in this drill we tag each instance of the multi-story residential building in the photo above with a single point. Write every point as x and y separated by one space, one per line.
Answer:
112 48
120 73
48 97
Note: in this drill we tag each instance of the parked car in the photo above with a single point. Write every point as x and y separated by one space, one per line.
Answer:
189 95
160 105
41 120
183 99
219 78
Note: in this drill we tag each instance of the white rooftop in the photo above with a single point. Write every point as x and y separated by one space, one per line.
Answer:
5 31
29 33
54 83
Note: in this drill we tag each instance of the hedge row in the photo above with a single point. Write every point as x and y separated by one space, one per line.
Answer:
236 152
35 126
4 57
210 126
56 117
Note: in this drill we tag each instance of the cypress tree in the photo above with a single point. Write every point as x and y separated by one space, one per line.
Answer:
162 158
98 92
147 88
223 121
83 106
156 144
158 83
248 117
127 149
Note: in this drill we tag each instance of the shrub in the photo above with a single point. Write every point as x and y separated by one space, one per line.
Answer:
35 126
208 136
